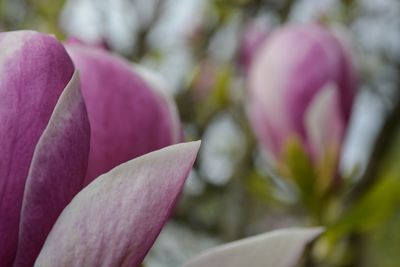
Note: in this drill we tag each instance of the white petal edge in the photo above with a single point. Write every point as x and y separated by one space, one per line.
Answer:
10 44
323 120
279 248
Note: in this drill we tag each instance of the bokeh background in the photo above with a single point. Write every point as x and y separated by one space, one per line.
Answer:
195 45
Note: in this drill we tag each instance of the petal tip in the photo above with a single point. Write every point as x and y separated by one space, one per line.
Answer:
193 146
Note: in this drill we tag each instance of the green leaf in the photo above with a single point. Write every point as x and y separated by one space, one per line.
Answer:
372 210
297 167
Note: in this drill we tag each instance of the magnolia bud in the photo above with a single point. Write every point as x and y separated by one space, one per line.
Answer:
301 89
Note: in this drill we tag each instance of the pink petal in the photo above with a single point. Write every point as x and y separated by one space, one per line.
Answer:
56 174
160 87
280 248
34 69
115 219
283 81
321 62
99 44
127 118
324 122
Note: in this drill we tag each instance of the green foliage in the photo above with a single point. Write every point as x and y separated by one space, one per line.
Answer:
383 244
39 15
312 179
297 166
372 220
260 188
372 210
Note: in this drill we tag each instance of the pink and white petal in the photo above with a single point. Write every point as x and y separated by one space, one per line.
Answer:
280 248
34 70
116 218
267 82
127 118
56 174
284 80
324 122
319 63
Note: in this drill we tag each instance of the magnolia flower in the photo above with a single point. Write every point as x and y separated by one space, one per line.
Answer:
47 217
129 113
301 86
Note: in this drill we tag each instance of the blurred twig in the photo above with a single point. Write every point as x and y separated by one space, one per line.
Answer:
381 147
141 46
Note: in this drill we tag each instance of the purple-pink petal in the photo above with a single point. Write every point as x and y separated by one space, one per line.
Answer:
116 218
34 69
56 174
127 118
160 88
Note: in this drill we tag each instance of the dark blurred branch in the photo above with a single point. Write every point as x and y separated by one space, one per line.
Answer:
348 3
350 9
242 172
381 147
141 46
284 11
282 8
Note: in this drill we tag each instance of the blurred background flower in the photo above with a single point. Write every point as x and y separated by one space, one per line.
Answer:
301 86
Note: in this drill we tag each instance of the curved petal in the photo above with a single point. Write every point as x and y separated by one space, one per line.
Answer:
34 70
158 85
280 248
115 219
323 121
56 174
127 118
